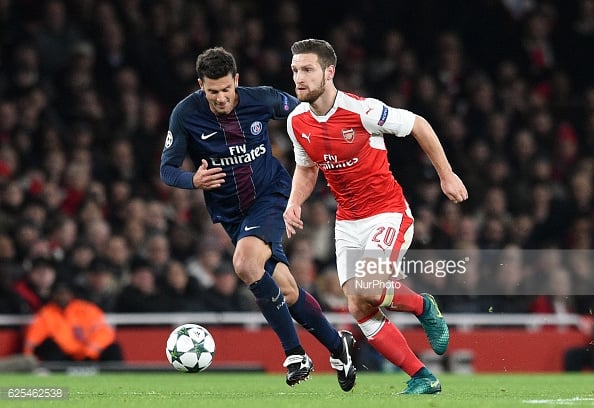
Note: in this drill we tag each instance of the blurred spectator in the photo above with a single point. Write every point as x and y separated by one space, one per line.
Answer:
63 232
118 254
305 272
183 292
557 292
97 232
36 212
7 249
158 252
329 291
493 234
202 266
464 290
180 205
119 194
227 294
321 231
467 233
548 215
77 178
155 217
580 202
508 289
579 263
55 37
182 241
427 233
35 286
68 328
135 234
10 302
80 258
99 284
122 163
448 219
521 230
12 198
141 295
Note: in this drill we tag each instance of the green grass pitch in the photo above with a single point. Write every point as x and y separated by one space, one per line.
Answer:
247 390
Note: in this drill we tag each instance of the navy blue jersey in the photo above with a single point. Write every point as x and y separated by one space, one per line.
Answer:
237 142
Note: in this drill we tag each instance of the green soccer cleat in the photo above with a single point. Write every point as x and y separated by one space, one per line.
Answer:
434 325
422 385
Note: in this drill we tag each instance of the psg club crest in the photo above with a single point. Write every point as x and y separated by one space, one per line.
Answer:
256 128
349 135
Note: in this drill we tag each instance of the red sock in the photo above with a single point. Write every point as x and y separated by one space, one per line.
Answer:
403 299
391 344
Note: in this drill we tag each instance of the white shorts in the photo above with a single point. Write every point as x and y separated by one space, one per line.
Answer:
385 236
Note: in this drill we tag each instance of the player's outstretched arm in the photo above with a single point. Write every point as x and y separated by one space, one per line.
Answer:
207 179
304 181
451 185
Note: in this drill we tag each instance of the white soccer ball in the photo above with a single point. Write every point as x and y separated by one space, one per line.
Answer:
190 348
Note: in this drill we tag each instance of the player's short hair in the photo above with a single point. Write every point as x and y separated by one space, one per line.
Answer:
323 49
215 63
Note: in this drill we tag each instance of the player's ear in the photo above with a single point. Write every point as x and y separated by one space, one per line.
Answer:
330 71
236 80
200 84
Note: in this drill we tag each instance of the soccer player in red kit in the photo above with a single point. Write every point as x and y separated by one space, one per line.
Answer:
342 134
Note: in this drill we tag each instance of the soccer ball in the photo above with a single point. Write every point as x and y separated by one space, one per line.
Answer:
190 348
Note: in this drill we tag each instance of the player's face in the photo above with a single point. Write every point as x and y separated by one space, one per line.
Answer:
220 93
308 76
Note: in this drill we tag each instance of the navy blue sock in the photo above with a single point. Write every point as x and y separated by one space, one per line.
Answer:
274 308
308 313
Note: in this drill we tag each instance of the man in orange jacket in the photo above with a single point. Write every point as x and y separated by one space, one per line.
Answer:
67 328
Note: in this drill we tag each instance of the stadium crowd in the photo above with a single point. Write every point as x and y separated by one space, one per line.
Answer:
86 87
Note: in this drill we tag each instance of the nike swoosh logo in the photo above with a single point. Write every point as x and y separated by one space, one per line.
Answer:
204 137
434 384
349 362
275 298
246 228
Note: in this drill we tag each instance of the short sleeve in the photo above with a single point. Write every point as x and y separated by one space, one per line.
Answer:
378 117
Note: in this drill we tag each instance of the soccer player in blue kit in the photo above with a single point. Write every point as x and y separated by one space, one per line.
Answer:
224 129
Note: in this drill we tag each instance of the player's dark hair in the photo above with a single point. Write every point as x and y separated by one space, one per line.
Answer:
215 63
323 49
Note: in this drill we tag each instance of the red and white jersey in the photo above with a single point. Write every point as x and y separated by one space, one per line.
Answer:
347 144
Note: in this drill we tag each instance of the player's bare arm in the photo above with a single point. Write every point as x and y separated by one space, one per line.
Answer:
304 181
208 179
451 185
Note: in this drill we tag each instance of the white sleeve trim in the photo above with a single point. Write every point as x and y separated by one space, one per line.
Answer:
301 157
378 118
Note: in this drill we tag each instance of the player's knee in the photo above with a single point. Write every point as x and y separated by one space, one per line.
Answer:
247 269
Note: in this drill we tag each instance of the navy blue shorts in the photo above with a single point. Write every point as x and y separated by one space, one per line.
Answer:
265 221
